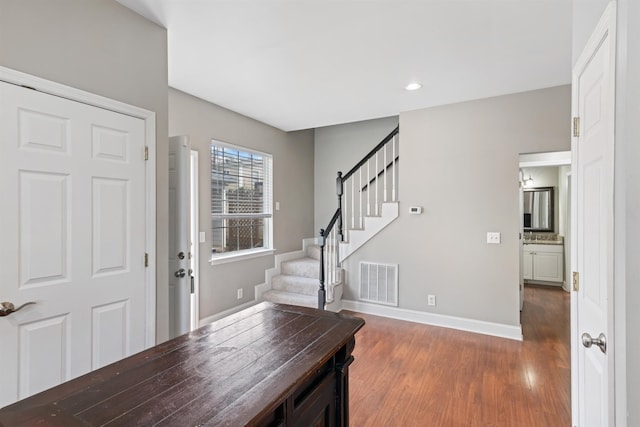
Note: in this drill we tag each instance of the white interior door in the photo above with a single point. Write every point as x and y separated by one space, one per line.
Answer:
593 99
179 232
72 227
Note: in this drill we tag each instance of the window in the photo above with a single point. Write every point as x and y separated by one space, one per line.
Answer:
241 214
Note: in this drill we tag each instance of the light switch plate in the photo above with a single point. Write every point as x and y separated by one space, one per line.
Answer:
493 237
202 237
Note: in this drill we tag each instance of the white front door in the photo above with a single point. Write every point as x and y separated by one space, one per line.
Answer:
593 103
72 227
179 231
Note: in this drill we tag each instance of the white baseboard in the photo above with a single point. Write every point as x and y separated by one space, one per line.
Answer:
226 313
460 323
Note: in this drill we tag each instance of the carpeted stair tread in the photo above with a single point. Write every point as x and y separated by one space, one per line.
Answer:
282 297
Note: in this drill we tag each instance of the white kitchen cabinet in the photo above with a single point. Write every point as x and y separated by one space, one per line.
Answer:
544 262
527 264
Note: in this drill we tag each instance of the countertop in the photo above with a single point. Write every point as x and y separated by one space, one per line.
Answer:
543 242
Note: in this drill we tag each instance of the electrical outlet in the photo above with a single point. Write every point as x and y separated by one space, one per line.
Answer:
431 300
240 293
493 237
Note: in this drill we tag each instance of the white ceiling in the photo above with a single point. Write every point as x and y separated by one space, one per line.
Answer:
298 64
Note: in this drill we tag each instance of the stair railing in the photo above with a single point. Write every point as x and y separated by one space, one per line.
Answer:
372 181
328 260
361 192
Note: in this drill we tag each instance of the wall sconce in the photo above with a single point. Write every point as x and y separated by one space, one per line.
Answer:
528 182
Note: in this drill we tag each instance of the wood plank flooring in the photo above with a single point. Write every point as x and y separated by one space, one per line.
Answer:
409 374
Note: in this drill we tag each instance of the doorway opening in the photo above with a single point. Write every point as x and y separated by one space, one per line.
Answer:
545 256
545 220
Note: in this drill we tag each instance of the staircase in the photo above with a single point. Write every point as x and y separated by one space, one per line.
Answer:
295 281
367 202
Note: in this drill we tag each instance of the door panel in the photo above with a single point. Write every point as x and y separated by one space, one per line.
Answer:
39 130
547 266
110 215
110 144
44 354
44 233
110 325
594 201
72 223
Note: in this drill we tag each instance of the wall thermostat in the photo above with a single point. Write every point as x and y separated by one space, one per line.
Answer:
415 210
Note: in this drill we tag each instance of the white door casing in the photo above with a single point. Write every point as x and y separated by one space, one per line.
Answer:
592 226
74 232
521 247
179 231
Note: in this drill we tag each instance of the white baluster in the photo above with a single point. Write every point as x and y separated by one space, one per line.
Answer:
360 198
376 178
368 188
394 186
384 196
353 203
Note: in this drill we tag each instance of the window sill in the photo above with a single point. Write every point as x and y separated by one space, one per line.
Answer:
240 256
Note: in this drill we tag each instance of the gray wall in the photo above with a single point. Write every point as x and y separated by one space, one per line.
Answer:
339 148
101 47
292 185
586 14
460 163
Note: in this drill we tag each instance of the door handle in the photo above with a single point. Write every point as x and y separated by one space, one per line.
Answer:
601 341
6 308
181 273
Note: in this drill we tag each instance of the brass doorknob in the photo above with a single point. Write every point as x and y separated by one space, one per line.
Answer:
6 308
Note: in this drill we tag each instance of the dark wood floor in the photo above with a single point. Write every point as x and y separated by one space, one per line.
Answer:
408 374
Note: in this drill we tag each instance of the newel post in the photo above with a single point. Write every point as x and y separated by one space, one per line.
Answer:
321 292
339 191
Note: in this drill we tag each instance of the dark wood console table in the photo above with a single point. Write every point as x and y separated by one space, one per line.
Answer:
268 365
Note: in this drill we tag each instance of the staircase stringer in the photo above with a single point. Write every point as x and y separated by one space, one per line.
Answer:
373 225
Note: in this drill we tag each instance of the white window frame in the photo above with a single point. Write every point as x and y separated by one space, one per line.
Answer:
267 249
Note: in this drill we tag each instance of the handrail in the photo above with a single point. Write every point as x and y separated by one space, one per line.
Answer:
325 231
371 153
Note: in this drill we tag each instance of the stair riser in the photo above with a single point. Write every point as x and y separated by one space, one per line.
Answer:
290 284
303 269
313 251
293 299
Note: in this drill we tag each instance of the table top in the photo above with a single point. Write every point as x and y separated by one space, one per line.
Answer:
230 372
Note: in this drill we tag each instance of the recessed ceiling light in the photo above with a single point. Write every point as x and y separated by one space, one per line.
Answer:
413 86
